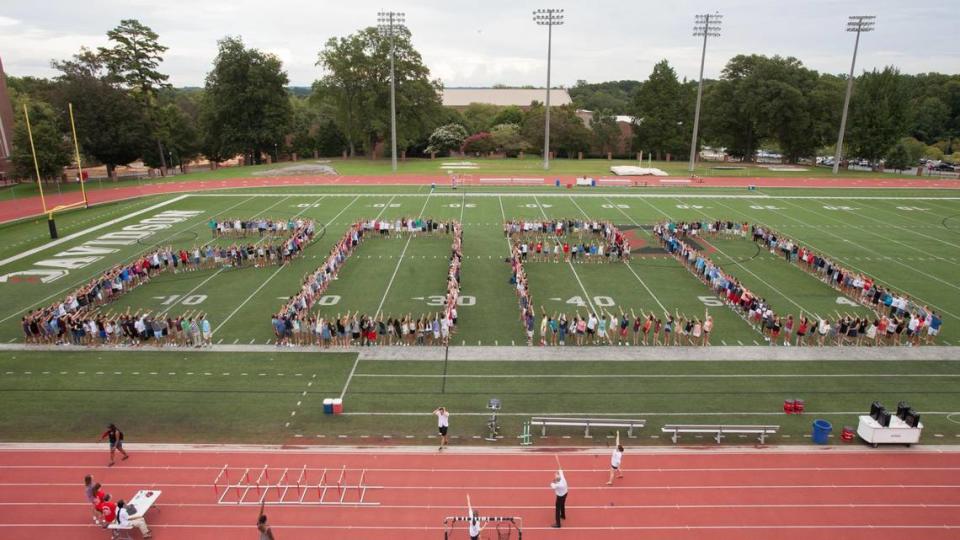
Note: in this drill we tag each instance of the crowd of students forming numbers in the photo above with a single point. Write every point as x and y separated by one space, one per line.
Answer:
896 319
78 319
297 323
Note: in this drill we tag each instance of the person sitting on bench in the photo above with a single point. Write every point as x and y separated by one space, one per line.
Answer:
127 517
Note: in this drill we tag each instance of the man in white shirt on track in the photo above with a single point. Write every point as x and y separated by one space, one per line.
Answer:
443 424
560 489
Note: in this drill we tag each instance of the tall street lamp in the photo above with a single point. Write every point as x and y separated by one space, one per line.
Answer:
707 25
389 23
856 23
549 18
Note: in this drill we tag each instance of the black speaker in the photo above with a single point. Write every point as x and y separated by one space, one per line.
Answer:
875 409
911 418
883 418
902 409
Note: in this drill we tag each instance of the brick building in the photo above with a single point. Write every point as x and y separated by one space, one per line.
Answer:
6 126
461 98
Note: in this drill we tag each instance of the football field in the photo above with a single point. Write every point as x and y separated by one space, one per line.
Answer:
908 240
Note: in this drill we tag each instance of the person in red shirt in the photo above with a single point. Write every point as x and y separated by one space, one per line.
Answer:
108 509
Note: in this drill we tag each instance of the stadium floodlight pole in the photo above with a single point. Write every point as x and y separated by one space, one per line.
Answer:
855 23
549 18
706 25
389 23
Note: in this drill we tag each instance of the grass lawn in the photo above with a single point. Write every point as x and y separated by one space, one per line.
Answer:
244 397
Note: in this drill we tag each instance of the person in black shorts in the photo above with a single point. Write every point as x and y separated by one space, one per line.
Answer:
115 436
443 423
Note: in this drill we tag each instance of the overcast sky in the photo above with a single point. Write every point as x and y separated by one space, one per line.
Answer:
495 41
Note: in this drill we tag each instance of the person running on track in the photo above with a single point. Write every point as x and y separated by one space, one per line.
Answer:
115 436
443 424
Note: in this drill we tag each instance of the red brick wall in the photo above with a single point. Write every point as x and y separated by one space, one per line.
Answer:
6 123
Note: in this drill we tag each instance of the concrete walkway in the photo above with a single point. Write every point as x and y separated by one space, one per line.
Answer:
560 354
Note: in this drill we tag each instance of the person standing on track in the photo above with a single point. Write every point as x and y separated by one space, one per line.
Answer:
559 487
115 436
476 526
443 424
266 533
615 460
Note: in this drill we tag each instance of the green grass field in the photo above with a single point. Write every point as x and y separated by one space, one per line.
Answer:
907 240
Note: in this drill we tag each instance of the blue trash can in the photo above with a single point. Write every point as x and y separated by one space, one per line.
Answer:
328 406
593 182
556 182
821 431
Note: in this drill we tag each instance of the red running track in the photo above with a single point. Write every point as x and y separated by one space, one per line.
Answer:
31 206
875 495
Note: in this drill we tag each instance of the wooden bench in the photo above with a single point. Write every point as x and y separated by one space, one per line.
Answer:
586 423
719 431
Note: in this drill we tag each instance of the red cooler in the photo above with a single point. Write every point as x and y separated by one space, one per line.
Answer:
788 406
847 435
338 406
798 406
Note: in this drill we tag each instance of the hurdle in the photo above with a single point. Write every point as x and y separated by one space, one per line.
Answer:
504 524
342 492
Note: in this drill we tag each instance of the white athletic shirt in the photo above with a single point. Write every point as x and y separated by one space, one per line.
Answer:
474 527
443 419
560 488
615 458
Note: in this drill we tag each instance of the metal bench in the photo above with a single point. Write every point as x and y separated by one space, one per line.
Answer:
586 423
719 430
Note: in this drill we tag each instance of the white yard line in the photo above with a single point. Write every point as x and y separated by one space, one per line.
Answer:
383 299
504 222
554 194
627 263
909 231
275 272
586 295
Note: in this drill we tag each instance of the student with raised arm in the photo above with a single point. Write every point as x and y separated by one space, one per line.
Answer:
560 489
476 526
443 424
266 533
615 460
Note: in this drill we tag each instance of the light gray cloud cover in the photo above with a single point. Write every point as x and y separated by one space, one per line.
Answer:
495 41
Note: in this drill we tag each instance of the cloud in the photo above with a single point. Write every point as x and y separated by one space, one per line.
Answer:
480 44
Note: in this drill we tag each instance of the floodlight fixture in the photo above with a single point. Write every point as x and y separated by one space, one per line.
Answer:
389 23
705 25
858 24
547 17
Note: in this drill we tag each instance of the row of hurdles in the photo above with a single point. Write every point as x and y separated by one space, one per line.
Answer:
302 486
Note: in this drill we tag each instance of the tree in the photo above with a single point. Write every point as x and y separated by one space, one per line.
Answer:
111 125
507 139
914 148
480 117
133 61
930 119
508 115
447 138
898 157
612 96
606 133
878 115
246 103
659 106
479 143
357 83
53 153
